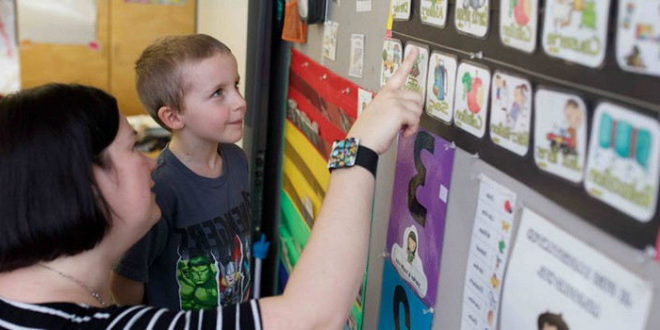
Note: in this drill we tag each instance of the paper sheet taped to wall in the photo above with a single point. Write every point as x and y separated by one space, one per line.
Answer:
563 281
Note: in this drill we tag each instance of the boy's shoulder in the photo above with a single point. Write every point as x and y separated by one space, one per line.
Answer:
231 152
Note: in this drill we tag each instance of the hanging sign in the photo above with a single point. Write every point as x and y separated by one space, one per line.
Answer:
638 36
518 24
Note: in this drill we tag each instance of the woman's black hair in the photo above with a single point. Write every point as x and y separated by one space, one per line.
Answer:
50 205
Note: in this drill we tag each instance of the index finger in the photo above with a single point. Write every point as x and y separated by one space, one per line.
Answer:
398 79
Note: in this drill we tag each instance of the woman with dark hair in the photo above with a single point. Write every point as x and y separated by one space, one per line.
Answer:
75 196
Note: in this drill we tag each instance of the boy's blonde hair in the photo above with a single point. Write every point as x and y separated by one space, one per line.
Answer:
160 69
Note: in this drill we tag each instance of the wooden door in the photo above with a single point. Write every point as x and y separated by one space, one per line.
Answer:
84 64
134 26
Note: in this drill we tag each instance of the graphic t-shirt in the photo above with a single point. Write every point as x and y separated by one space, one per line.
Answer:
198 255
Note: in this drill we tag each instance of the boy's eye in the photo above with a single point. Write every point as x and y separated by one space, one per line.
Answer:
217 93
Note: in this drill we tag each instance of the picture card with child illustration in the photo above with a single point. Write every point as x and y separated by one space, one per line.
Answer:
472 17
519 23
622 168
471 99
440 86
638 36
511 112
560 134
576 30
417 78
419 204
391 57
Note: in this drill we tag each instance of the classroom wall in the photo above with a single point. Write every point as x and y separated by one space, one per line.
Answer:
464 186
372 24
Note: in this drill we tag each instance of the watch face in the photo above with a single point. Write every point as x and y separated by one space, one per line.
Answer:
343 153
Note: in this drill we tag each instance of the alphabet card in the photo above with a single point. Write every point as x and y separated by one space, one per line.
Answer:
472 17
400 308
401 9
518 24
576 30
638 36
417 77
489 250
622 169
419 205
511 112
560 134
391 56
440 86
434 12
471 100
558 281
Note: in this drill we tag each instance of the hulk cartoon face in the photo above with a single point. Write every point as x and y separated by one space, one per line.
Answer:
197 283
200 270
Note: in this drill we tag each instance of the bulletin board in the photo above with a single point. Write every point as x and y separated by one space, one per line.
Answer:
563 202
607 82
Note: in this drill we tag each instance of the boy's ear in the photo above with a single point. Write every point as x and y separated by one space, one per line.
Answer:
170 118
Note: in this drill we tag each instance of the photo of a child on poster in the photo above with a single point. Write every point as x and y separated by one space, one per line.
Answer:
419 204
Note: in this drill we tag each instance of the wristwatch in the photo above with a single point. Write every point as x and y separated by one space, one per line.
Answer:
349 152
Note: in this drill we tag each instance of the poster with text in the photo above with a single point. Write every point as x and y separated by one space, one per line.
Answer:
440 86
330 29
489 249
638 36
511 112
622 168
57 22
419 205
391 56
560 134
400 308
417 78
471 17
471 100
556 280
519 23
434 12
576 30
9 66
401 9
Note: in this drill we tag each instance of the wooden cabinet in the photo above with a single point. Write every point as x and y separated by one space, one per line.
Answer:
124 30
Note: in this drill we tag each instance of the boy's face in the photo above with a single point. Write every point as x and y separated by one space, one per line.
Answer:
213 108
573 116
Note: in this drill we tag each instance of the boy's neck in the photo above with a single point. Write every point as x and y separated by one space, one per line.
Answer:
201 157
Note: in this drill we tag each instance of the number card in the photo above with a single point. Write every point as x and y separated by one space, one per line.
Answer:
400 308
557 280
576 30
519 23
440 86
511 112
622 169
560 134
471 17
471 101
419 204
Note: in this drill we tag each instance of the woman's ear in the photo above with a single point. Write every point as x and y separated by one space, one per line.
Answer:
170 117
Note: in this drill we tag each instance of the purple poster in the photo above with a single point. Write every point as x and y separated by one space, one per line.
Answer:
419 204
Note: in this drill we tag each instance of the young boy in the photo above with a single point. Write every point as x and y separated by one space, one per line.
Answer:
198 255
